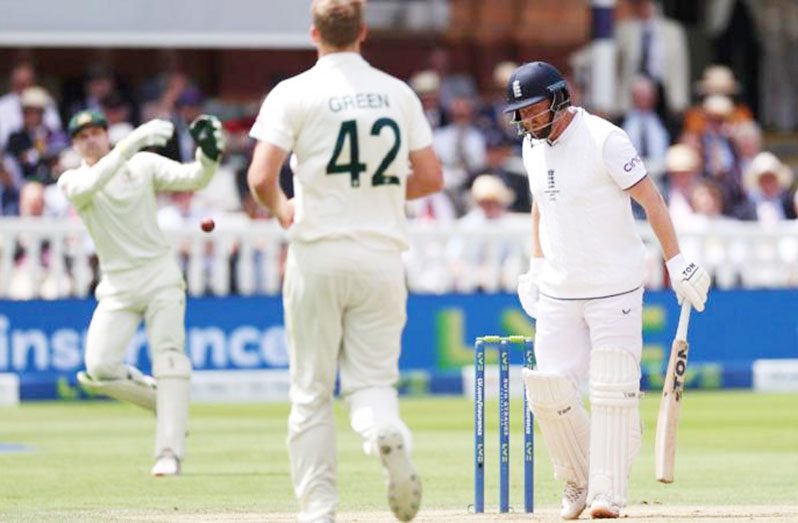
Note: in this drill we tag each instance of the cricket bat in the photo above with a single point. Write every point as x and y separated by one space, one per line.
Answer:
671 402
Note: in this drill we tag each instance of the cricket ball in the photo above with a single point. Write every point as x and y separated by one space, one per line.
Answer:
207 224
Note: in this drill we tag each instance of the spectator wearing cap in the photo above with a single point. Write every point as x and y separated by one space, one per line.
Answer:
35 147
716 80
769 182
720 158
480 261
188 106
22 76
427 85
683 167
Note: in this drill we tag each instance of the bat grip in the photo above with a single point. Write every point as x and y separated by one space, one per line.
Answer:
684 321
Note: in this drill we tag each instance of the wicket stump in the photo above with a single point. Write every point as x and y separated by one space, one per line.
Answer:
502 344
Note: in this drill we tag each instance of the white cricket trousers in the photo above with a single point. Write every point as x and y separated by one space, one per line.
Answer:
345 308
154 294
567 330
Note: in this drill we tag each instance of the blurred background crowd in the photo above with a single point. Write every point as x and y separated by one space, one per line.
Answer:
717 124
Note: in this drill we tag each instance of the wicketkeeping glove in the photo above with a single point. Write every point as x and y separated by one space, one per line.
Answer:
690 281
154 133
528 293
207 133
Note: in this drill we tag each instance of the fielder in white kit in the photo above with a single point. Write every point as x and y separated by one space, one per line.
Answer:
585 286
355 132
114 192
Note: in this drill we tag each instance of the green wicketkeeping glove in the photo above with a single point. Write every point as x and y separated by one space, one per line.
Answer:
207 133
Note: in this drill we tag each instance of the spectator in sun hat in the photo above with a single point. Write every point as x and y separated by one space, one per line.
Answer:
427 85
35 146
683 168
480 261
721 159
716 80
22 76
769 181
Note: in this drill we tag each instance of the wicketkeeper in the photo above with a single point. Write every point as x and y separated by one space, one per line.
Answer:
114 192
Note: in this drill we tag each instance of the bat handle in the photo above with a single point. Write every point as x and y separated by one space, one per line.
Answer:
684 321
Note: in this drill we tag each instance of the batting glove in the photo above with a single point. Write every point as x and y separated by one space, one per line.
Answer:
690 281
528 293
154 133
207 133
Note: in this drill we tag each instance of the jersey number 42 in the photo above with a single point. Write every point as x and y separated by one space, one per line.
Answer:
354 167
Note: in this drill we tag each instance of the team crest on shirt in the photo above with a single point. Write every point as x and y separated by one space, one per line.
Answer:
551 191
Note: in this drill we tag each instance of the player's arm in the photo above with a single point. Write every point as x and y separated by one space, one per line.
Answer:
648 196
169 175
426 176
206 130
80 185
537 250
263 178
689 280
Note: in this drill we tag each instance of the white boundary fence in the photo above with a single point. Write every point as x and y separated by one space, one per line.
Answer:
248 258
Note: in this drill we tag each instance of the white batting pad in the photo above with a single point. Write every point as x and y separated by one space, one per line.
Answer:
615 429
136 388
172 369
556 404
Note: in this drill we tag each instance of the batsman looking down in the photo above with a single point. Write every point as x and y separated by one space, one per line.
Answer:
114 192
585 286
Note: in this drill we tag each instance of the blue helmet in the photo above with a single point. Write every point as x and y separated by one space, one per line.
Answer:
531 83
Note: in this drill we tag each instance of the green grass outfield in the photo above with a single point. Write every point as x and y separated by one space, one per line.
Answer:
90 462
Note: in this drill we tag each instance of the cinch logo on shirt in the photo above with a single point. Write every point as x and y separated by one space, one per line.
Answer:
517 89
631 164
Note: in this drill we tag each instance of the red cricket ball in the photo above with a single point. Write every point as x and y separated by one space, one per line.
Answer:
207 224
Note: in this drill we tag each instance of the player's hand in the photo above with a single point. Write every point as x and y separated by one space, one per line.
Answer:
285 214
154 133
690 281
207 133
528 293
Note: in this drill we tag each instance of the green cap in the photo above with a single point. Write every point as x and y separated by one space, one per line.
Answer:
84 119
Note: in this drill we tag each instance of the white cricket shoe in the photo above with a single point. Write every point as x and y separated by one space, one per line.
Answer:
574 501
404 485
603 507
167 464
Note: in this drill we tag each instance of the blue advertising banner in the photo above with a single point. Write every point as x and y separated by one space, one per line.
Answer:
42 341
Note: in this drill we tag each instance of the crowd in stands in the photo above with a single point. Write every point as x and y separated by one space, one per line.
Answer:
700 141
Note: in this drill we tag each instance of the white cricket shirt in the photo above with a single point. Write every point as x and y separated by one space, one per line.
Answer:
116 201
351 128
587 231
